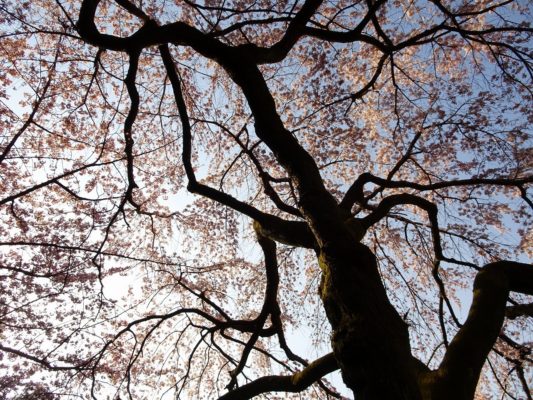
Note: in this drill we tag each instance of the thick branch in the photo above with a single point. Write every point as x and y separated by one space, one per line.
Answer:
316 203
130 119
150 34
292 233
355 192
469 349
289 232
194 186
293 383
133 9
520 310
294 31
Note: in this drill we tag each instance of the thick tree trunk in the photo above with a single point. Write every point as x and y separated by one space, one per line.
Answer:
370 340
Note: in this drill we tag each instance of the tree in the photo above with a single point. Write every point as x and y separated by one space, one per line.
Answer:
355 167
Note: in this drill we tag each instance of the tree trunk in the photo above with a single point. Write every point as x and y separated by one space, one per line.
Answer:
370 340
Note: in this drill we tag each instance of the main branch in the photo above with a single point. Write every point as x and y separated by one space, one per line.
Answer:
458 373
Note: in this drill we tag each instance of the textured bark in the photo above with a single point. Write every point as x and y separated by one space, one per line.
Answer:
370 340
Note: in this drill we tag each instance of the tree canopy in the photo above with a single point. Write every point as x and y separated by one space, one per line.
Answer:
191 189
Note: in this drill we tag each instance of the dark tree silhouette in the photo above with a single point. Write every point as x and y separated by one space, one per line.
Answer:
353 168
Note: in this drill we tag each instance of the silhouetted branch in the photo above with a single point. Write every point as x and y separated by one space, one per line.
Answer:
42 361
468 350
130 119
293 383
270 303
520 310
355 192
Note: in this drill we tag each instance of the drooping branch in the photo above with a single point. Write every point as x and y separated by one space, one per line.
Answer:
130 119
277 323
157 320
293 383
352 35
403 159
35 109
430 208
289 232
81 249
270 303
193 185
54 181
353 97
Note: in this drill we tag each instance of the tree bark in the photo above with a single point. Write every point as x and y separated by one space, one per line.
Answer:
370 340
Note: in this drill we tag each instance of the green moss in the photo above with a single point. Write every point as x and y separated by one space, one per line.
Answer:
325 282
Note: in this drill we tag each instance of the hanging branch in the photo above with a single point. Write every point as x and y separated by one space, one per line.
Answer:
293 383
